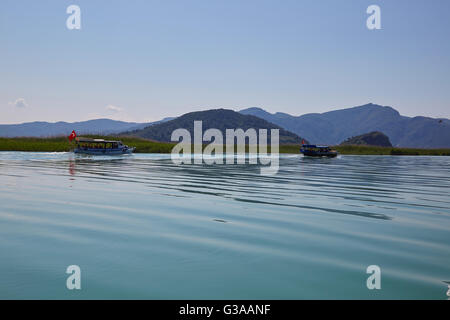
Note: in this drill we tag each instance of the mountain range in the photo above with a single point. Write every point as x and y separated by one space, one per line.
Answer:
49 129
331 128
220 119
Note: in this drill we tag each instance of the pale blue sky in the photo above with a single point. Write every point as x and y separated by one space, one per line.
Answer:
151 59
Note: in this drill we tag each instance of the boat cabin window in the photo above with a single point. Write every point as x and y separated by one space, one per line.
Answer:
100 145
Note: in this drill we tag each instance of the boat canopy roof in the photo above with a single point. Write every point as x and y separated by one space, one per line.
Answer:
314 146
89 140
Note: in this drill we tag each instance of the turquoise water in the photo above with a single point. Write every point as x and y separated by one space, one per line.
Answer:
141 227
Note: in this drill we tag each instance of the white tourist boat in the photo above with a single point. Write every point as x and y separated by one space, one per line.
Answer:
101 147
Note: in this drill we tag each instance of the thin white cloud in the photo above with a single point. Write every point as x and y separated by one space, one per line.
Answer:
113 108
19 103
116 113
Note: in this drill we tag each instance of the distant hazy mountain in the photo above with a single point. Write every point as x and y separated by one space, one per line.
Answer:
374 138
335 126
47 129
221 119
320 128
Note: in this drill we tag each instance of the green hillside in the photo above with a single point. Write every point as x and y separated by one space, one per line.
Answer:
374 138
220 119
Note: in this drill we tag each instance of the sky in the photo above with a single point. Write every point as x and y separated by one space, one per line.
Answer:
145 60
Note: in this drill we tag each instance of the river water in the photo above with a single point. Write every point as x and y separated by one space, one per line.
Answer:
142 227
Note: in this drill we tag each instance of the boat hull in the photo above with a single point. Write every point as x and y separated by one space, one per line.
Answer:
320 154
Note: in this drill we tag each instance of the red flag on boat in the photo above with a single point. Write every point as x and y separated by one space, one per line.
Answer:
72 136
303 141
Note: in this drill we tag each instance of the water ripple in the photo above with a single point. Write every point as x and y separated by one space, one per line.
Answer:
224 231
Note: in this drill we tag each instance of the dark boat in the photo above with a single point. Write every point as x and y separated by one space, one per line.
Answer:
311 150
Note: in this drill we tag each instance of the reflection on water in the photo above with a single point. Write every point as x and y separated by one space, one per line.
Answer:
141 227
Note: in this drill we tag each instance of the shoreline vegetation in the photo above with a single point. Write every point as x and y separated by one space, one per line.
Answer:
61 144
